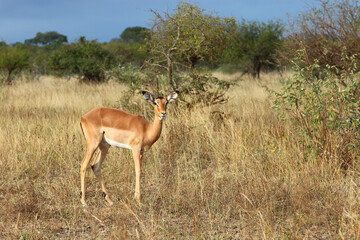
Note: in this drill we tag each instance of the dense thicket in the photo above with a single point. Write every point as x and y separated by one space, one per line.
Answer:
322 99
326 32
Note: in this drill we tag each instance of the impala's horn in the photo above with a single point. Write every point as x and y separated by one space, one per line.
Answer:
149 97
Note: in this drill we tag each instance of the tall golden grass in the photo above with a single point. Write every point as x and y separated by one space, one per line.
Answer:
227 172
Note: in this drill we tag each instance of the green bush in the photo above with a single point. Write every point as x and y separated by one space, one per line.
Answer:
328 26
195 88
325 109
205 89
88 59
127 52
255 46
13 60
128 74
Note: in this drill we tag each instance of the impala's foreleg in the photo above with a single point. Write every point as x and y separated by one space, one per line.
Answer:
96 167
138 163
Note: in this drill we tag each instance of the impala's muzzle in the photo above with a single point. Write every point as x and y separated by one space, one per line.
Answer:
162 116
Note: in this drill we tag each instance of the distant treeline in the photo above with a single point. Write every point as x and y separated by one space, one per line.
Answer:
190 37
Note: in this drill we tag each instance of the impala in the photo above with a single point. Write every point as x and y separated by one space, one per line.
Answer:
105 127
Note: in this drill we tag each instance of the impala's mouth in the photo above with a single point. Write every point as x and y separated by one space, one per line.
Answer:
162 116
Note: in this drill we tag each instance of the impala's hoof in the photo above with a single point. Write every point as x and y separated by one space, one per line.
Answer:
84 204
107 198
138 200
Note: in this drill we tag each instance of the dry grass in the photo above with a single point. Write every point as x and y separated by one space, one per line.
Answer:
233 172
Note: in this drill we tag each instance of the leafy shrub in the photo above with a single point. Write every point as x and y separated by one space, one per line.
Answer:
203 88
85 58
255 46
134 79
127 52
330 26
12 60
127 74
326 109
194 87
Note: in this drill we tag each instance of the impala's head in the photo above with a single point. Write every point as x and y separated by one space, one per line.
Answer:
160 103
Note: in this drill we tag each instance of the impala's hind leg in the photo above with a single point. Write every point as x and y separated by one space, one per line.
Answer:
89 153
92 142
96 167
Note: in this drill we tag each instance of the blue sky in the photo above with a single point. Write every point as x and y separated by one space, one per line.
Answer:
106 19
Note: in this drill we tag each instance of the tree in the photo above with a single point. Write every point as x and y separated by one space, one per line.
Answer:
186 36
134 34
13 59
86 58
127 52
47 38
255 45
326 32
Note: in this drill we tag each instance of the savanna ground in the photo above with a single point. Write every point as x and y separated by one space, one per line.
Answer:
227 172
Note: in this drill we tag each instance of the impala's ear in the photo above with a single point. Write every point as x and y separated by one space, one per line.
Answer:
148 97
172 96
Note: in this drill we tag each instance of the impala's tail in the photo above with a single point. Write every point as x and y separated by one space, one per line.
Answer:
82 129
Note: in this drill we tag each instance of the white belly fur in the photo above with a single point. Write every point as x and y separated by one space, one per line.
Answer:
116 144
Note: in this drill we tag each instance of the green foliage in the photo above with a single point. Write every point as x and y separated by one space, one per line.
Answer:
12 60
128 74
47 38
19 45
205 89
326 110
197 88
127 52
41 47
177 41
190 32
254 46
134 34
185 36
85 58
136 80
40 59
329 27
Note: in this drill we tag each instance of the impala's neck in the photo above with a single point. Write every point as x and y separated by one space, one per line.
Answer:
154 130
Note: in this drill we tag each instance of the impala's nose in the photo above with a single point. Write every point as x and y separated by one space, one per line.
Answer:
162 115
